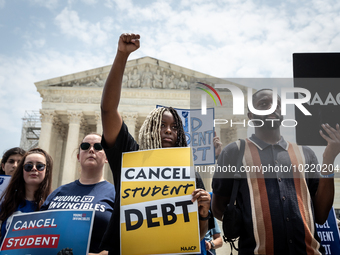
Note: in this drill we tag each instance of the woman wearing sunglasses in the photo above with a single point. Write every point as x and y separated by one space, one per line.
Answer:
29 186
91 191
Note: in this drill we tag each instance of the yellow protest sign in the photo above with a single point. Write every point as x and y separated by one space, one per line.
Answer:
156 212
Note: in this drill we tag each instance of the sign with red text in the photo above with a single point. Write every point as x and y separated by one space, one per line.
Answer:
156 210
49 232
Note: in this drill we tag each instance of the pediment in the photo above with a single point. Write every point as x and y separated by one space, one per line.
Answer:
144 73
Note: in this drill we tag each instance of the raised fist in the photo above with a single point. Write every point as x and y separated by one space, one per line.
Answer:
128 42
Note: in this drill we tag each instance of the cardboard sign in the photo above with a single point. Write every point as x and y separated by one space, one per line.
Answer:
320 75
49 232
199 130
329 234
156 211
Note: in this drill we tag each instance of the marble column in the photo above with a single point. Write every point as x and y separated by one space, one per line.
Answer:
107 174
58 159
46 129
54 136
70 162
84 130
99 127
130 119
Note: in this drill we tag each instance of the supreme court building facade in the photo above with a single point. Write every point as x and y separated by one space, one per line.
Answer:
71 108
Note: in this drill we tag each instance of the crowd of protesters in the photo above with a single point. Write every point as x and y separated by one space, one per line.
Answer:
273 210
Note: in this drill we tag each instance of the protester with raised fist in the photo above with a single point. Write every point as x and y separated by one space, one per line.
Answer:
162 129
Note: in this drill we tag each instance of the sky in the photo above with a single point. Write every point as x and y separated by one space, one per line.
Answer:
43 39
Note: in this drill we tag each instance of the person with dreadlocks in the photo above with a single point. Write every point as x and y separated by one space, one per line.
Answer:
162 128
149 135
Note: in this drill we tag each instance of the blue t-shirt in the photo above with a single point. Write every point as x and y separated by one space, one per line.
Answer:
24 207
99 196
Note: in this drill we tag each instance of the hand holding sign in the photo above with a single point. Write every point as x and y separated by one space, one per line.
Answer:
203 198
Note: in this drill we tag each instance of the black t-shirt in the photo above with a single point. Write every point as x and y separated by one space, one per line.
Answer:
124 143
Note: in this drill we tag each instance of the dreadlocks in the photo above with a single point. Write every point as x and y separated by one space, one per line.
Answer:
181 138
149 133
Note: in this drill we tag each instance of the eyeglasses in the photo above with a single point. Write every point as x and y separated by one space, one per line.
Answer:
86 146
28 167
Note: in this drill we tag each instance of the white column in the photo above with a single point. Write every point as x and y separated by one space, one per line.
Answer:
99 127
46 129
83 131
130 119
107 175
70 162
107 170
54 137
58 160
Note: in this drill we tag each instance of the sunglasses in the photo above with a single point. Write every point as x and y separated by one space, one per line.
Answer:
40 167
86 146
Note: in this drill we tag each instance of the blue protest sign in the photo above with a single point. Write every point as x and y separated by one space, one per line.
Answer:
49 232
329 234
